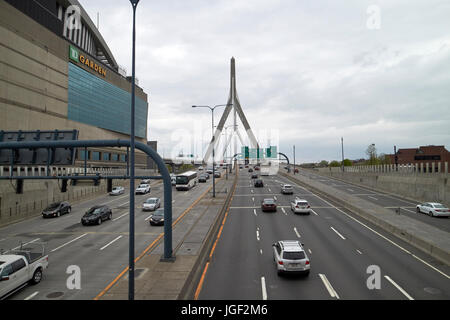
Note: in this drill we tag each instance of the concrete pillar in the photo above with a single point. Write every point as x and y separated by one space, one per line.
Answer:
421 167
427 166
439 168
432 168
446 167
1 171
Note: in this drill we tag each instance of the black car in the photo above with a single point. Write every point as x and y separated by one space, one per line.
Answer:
250 170
217 174
56 209
157 218
96 215
202 178
254 176
259 183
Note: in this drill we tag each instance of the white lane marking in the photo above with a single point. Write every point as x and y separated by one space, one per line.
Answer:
399 288
148 217
121 216
351 190
377 233
408 210
309 250
173 201
329 287
65 244
445 275
372 198
270 190
110 242
260 251
253 199
115 199
2 239
340 235
275 198
263 288
257 235
314 212
251 190
296 232
31 296
254 212
358 251
284 211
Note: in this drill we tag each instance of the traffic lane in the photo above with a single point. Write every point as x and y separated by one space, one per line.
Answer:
91 249
408 272
274 227
392 203
233 272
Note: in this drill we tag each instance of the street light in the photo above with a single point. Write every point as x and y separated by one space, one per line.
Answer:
212 140
134 4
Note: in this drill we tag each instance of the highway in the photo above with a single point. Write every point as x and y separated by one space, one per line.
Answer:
389 201
340 246
100 251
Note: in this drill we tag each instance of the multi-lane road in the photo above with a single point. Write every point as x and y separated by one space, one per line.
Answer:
389 201
100 251
346 252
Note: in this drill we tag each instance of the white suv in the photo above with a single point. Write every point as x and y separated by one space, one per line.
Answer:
287 189
289 256
143 189
300 206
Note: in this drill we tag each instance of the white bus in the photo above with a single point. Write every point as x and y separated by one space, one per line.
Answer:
186 180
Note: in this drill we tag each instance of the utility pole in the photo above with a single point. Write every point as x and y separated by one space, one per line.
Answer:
294 159
342 143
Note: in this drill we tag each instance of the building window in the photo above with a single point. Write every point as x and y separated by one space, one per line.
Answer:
123 158
106 156
83 154
428 157
114 157
96 155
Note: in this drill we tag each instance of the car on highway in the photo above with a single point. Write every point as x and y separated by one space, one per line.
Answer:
290 257
21 266
300 206
296 170
433 209
143 189
200 168
240 167
258 183
254 176
203 178
157 218
96 215
56 209
117 191
250 170
268 204
145 181
256 168
151 204
173 180
287 189
217 174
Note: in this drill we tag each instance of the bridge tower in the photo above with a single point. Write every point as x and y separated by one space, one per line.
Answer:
237 112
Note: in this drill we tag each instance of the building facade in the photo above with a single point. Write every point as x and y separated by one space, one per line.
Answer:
423 154
57 72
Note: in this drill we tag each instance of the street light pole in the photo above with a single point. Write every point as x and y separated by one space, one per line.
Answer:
134 4
294 159
342 143
212 139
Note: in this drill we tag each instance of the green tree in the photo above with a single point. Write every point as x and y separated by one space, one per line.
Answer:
371 152
348 163
323 163
335 163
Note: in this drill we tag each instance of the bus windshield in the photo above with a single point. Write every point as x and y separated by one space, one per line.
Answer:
182 180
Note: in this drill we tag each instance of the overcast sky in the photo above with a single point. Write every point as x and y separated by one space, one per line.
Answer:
309 72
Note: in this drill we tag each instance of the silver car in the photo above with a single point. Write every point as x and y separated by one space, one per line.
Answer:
117 190
151 204
433 209
287 189
290 257
300 206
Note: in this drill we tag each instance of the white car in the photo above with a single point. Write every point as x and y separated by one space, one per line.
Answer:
289 256
143 189
200 168
151 204
117 190
300 206
287 189
433 209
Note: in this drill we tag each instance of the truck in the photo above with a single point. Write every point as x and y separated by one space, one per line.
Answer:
265 170
21 266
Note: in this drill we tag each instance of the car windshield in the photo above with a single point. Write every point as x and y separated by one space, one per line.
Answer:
288 187
116 188
269 201
150 201
296 255
159 213
303 203
54 205
439 206
93 211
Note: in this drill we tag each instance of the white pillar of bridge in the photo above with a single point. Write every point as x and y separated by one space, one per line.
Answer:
427 166
439 167
446 167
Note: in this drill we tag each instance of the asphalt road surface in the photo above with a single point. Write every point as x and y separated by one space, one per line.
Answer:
344 252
